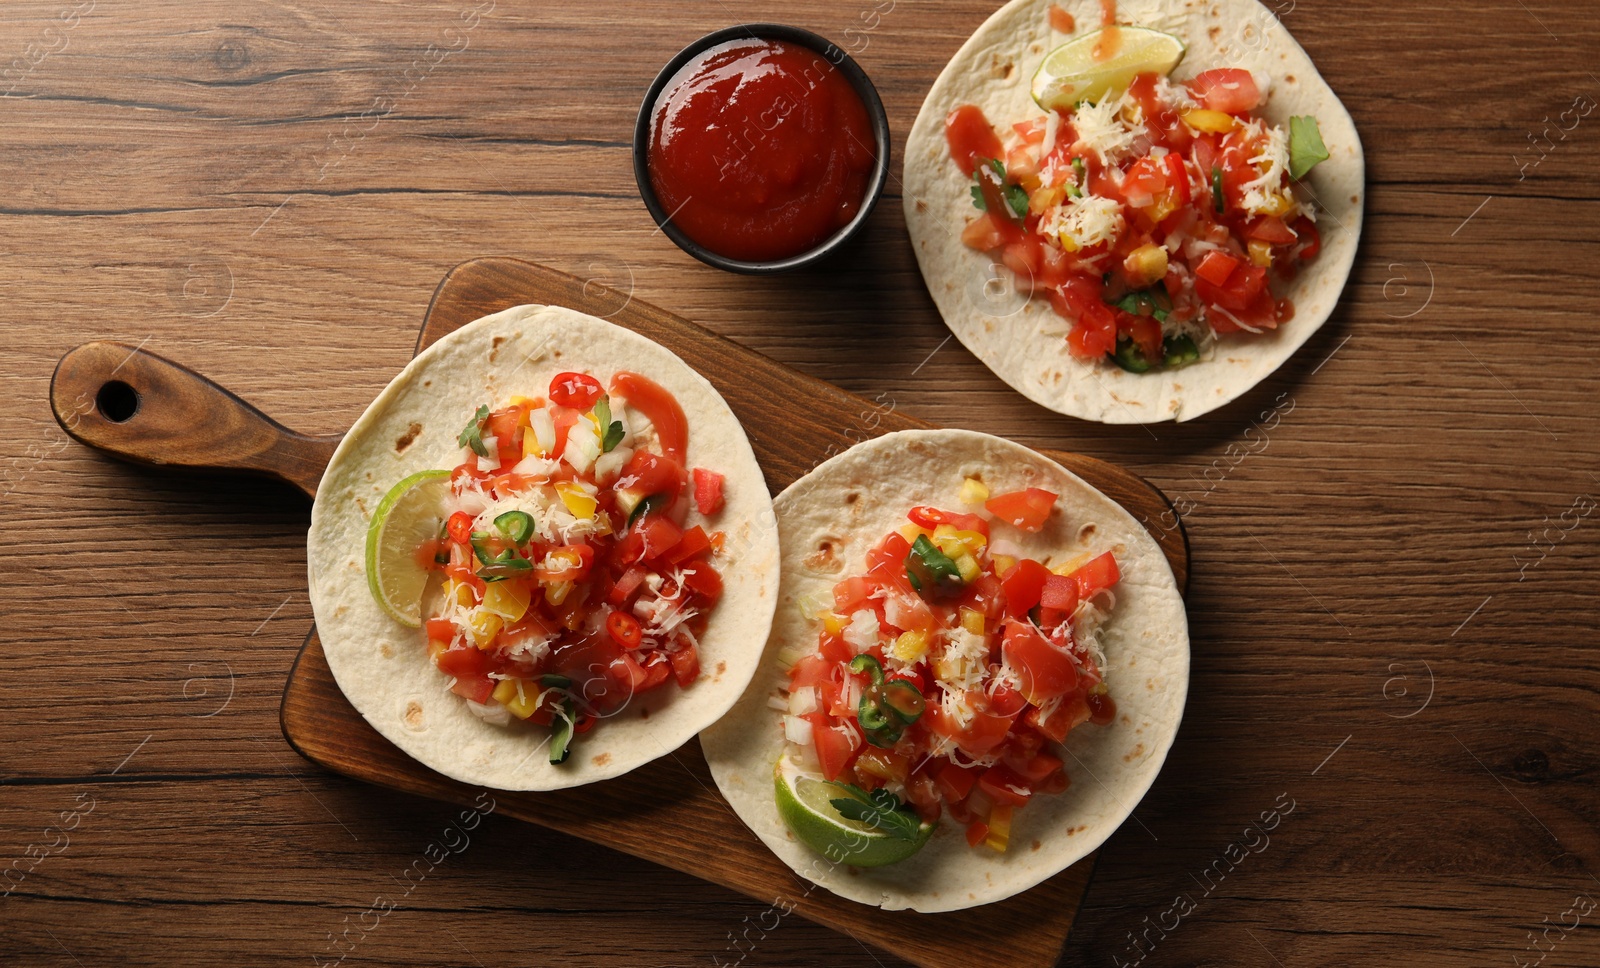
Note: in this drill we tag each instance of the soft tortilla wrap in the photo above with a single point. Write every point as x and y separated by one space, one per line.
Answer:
1023 340
827 521
383 668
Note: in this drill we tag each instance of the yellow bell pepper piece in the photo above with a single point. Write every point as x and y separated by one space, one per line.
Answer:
911 532
999 828
1280 204
832 623
972 621
910 646
459 592
508 599
967 565
1070 565
530 444
973 491
1003 564
556 592
1146 265
1261 253
483 626
1203 119
522 700
580 502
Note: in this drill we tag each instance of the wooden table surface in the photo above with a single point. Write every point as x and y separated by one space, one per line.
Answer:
1393 600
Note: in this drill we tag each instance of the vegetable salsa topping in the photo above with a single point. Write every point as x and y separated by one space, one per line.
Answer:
1151 219
570 582
943 676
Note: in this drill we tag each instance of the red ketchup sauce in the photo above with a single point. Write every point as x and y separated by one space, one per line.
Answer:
760 150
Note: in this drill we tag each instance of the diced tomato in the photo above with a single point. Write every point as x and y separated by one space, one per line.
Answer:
986 730
505 425
1026 509
660 407
1178 178
1306 230
626 586
1036 767
983 233
977 833
465 475
971 137
703 580
931 517
707 491
1023 585
836 742
693 544
660 536
464 662
1002 785
441 630
565 419
1071 713
956 782
624 629
651 474
657 668
1243 290
1098 574
1226 89
1060 593
1271 230
889 557
1046 671
685 664
1143 181
811 670
479 689
576 390
1216 267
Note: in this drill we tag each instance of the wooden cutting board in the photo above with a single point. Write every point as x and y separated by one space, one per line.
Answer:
668 811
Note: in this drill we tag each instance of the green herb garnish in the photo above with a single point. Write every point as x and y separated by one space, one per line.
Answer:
612 430
472 436
1015 197
1306 149
878 809
1217 201
1147 302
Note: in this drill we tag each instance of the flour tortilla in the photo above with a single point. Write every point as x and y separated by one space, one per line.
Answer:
1022 340
827 521
383 667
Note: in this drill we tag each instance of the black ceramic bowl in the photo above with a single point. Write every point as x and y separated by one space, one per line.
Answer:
833 55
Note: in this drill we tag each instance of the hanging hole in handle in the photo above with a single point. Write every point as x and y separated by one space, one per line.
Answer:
117 401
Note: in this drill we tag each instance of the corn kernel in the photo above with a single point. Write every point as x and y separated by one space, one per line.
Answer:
972 621
967 566
910 646
973 491
832 623
1202 119
507 599
483 627
580 502
1260 253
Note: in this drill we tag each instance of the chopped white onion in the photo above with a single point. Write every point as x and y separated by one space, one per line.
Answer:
797 730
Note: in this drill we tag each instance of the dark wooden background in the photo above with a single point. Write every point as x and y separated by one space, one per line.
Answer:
1393 624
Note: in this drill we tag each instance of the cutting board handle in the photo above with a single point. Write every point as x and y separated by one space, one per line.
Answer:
144 408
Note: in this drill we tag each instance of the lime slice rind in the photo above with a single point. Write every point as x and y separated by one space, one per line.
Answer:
406 517
1070 74
803 803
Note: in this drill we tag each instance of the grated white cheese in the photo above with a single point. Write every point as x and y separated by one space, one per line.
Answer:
1102 130
1261 193
964 660
1087 221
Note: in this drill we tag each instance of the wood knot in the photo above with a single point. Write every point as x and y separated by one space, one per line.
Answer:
1531 765
231 56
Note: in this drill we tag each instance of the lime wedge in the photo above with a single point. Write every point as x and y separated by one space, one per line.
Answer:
1072 74
803 803
407 516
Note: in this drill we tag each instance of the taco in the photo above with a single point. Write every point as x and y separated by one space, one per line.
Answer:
976 669
1137 217
543 554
